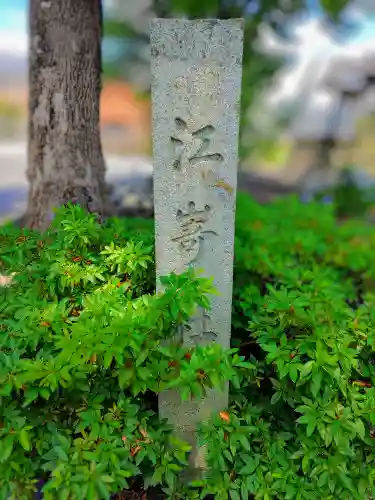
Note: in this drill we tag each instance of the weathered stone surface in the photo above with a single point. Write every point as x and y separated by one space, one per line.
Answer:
196 79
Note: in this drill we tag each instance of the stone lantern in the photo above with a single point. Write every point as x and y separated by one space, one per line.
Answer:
327 123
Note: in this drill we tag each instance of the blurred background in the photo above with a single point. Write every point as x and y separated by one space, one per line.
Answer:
308 94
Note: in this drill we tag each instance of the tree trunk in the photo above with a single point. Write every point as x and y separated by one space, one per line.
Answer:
65 159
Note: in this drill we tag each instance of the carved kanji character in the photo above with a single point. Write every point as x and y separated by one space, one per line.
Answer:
192 229
191 147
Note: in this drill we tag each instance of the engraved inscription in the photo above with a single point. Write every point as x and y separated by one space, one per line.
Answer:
192 147
203 330
192 229
198 329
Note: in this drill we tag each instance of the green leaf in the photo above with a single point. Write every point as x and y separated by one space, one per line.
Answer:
107 479
107 359
360 428
234 495
244 441
91 492
293 372
61 453
347 482
316 382
90 456
24 440
305 369
275 398
6 447
244 491
104 492
310 427
249 468
63 493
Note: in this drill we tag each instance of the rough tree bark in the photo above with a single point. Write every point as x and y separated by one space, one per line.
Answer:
65 159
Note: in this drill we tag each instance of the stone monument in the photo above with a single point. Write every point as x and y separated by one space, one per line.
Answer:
196 71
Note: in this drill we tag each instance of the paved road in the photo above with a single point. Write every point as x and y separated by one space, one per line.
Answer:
13 183
13 165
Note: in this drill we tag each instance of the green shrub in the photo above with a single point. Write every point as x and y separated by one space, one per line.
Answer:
82 355
348 197
78 392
